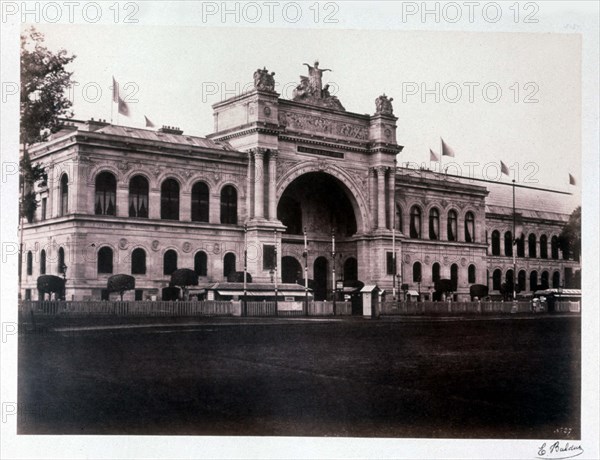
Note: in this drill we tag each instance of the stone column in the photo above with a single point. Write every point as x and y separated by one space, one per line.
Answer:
272 183
259 184
381 197
249 186
392 197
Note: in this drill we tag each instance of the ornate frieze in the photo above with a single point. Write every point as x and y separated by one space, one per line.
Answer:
314 123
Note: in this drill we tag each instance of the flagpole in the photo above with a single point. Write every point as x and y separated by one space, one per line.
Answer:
514 252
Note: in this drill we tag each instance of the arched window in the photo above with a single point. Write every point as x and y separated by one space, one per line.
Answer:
106 194
228 205
169 262
554 247
435 272
533 281
138 197
556 279
64 195
350 269
60 266
496 279
544 247
43 262
291 270
200 263
522 281
508 244
138 262
434 224
472 274
521 246
105 260
469 227
495 243
417 272
399 219
454 276
228 264
452 225
510 279
545 280
415 222
169 200
29 263
532 244
200 202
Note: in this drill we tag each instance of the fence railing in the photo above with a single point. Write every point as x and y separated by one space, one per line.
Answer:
295 309
130 308
567 306
457 308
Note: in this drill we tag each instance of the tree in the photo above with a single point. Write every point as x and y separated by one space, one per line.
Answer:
183 278
478 290
43 102
49 284
569 240
44 80
120 283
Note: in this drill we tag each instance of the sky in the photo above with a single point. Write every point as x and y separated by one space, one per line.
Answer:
511 97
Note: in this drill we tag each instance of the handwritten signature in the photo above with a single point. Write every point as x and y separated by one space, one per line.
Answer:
559 451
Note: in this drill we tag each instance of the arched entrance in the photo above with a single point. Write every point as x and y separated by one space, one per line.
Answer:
321 278
291 270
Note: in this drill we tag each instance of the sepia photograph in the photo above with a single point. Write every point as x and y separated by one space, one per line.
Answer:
299 230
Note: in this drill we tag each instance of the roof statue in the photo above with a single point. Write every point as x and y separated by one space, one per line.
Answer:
311 90
263 80
383 105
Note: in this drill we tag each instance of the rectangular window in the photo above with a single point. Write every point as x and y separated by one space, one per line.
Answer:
390 263
268 257
104 294
44 205
139 294
27 294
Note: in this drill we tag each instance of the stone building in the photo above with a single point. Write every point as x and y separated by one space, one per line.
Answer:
145 202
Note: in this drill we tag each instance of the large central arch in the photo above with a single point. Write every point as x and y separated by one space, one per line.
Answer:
340 178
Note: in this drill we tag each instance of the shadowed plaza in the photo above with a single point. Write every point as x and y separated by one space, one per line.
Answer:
415 377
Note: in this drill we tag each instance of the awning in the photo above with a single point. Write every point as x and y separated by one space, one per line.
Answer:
265 293
412 292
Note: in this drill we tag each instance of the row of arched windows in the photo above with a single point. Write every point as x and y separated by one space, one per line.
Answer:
60 262
520 243
434 232
536 281
105 199
417 274
170 262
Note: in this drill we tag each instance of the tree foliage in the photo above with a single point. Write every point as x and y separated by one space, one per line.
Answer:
183 278
50 283
120 283
569 240
478 290
444 285
44 81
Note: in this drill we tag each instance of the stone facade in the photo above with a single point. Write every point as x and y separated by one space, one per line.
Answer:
272 169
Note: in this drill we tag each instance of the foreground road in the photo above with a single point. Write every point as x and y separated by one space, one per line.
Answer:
506 378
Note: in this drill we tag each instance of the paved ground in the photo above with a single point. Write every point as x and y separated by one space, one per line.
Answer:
482 378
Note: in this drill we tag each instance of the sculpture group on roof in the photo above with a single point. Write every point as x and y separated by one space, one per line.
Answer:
311 90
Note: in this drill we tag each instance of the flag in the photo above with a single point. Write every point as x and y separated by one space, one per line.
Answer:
504 168
433 156
518 226
446 150
149 124
123 107
572 180
115 90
